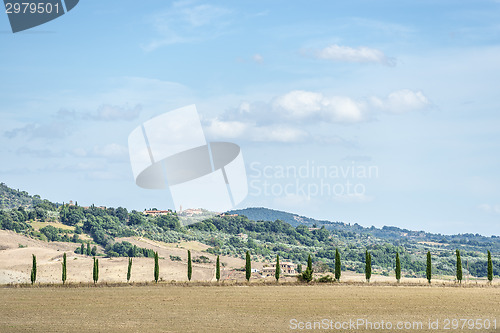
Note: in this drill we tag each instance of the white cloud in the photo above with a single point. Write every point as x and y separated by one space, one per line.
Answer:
285 134
252 132
112 150
294 116
302 105
186 22
226 129
361 55
105 112
490 208
402 101
258 58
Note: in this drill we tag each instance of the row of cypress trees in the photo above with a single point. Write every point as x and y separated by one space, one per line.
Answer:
307 275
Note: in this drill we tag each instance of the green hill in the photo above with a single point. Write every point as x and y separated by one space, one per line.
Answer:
10 198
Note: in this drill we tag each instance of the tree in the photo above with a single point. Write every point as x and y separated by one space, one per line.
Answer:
217 269
248 267
368 266
459 267
95 273
429 267
157 267
398 268
190 266
299 268
94 251
337 265
490 268
129 269
82 249
278 268
33 270
64 268
307 275
88 249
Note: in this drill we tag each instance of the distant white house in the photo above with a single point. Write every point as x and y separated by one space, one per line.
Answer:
286 268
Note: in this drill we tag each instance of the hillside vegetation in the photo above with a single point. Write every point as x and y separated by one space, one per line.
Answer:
265 237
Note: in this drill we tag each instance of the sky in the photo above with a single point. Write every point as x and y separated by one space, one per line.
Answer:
370 112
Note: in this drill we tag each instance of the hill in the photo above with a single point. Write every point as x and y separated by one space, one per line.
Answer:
389 233
265 235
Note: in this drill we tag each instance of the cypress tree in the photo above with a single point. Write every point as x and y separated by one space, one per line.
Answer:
129 269
337 265
64 268
82 249
88 249
190 267
278 268
398 268
459 267
95 273
368 266
217 269
248 267
429 267
157 267
490 268
299 268
33 270
307 275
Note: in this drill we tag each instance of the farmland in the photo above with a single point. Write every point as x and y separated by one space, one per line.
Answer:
195 307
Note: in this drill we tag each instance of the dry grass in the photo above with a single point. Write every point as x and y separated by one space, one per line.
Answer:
38 225
237 308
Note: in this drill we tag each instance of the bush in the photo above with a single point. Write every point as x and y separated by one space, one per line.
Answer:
325 279
175 258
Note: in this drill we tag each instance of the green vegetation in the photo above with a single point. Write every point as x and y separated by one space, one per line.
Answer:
64 268
33 270
325 279
307 275
248 267
95 271
398 268
190 266
217 269
266 235
129 269
428 272
337 265
157 268
459 267
368 266
490 267
175 258
278 268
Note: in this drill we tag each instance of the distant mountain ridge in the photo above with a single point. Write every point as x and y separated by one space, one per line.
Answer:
386 232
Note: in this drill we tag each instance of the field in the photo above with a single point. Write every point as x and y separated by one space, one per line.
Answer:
256 308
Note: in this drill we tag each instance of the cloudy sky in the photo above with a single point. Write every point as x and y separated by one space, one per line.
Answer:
375 112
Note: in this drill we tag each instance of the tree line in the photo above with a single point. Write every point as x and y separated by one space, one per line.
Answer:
306 276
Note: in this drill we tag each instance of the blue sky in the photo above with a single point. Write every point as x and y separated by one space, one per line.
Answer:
407 88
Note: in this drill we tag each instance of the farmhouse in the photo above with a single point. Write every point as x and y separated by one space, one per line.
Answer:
286 268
